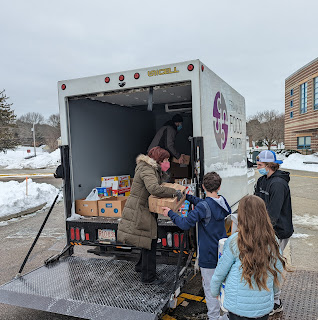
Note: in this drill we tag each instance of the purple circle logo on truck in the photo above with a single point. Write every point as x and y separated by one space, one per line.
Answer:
220 120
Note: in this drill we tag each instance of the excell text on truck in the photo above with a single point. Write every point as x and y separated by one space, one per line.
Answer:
106 121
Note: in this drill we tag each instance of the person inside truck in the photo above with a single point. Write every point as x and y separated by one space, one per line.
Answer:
166 135
210 214
138 226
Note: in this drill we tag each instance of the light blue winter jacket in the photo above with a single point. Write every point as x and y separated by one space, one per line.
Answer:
238 297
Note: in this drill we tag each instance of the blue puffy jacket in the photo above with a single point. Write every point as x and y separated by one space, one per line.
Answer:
238 297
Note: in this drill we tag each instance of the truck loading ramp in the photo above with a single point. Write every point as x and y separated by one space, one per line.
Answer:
91 288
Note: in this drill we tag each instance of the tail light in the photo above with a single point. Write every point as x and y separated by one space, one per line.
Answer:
63 86
107 79
169 239
190 67
77 234
72 234
136 75
121 77
183 239
164 242
176 243
87 236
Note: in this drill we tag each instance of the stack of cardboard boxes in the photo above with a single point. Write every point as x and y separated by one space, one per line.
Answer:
113 194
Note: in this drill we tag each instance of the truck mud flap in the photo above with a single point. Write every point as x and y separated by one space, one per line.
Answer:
91 288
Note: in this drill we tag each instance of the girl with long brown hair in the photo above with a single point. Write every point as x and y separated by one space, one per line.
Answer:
251 264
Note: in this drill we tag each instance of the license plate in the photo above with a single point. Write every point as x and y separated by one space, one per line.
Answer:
106 234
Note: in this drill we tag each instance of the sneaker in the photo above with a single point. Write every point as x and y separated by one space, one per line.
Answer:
277 308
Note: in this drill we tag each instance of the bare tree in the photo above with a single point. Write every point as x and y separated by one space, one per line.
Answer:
32 117
54 120
267 126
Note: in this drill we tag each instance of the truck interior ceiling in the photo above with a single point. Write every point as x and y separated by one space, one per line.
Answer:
109 129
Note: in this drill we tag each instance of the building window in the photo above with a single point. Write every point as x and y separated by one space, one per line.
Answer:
303 98
291 115
303 142
291 103
316 93
291 92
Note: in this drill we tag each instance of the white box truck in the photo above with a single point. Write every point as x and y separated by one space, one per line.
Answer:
106 121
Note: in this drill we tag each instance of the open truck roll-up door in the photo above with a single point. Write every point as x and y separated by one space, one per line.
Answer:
121 112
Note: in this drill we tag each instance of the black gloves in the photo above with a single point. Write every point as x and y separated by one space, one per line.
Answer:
179 195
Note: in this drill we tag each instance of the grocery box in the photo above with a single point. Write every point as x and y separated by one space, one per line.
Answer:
186 158
231 224
222 288
156 204
117 183
104 192
111 207
179 171
86 208
124 192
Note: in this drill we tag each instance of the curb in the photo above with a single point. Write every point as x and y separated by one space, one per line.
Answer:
22 213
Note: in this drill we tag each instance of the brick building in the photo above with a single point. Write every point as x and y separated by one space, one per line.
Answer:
301 109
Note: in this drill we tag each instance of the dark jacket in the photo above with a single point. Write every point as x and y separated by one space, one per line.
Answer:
276 194
165 139
211 227
138 226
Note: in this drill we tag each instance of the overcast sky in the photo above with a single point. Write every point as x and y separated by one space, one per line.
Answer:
253 45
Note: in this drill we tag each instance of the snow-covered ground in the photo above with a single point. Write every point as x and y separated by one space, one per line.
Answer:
296 162
15 159
13 198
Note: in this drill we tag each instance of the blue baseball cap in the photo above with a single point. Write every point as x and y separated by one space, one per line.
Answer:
268 156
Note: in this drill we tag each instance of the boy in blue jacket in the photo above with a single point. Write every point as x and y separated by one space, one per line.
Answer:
209 214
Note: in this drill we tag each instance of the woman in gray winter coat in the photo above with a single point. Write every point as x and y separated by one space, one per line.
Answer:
138 226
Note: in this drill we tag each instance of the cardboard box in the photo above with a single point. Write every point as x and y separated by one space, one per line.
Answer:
124 192
119 184
156 204
123 181
86 208
186 158
222 288
179 171
111 207
231 224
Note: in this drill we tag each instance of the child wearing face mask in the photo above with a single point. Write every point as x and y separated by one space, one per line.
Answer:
209 214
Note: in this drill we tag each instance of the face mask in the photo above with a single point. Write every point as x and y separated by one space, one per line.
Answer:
179 127
165 165
263 171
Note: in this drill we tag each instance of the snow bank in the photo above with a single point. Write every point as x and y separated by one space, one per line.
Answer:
296 162
16 159
13 198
